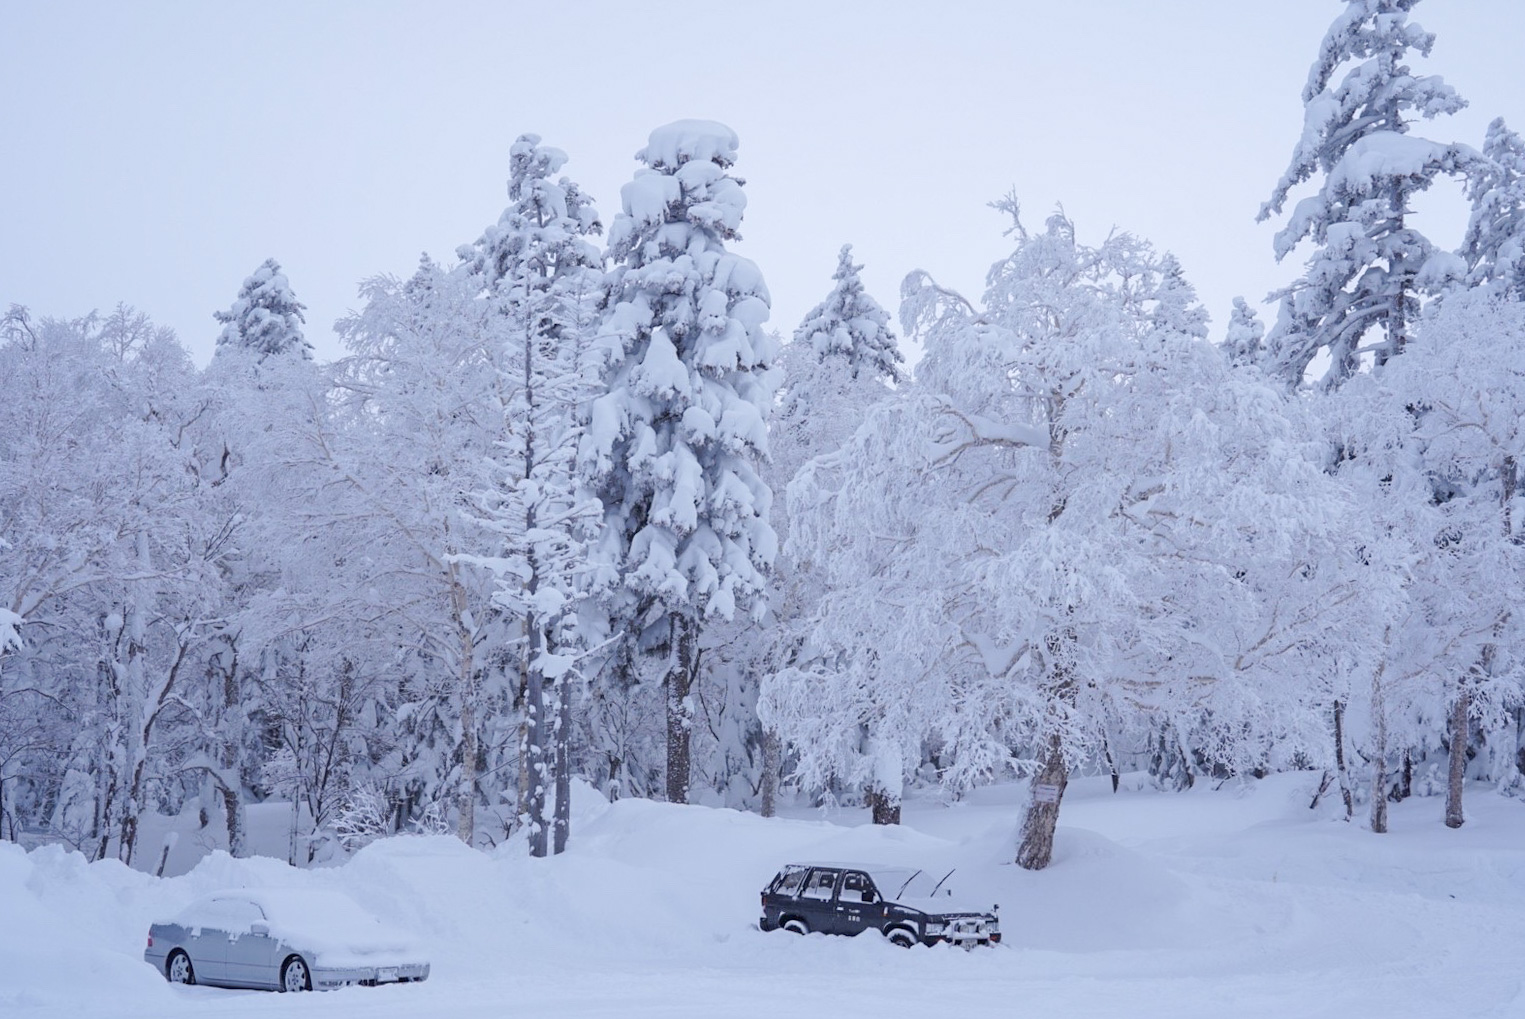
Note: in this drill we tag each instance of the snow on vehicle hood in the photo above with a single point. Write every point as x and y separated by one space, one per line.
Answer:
334 928
923 890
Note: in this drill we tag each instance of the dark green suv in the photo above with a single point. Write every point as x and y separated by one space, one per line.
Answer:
902 903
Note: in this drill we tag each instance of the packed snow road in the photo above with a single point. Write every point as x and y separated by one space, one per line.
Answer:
1237 902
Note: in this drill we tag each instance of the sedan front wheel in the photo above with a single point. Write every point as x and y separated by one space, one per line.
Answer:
294 975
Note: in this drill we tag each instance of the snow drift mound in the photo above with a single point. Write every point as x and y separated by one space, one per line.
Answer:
642 885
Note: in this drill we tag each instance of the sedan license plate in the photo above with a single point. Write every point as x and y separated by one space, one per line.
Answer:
386 976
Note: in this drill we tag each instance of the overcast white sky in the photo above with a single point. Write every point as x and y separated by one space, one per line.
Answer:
155 153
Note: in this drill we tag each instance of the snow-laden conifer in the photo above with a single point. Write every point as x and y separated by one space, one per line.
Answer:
1242 341
542 277
1494 246
1370 265
675 441
838 365
850 323
266 318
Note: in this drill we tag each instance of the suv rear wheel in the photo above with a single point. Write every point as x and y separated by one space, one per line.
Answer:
795 926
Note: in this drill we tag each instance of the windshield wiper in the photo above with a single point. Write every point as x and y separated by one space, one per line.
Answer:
907 884
940 883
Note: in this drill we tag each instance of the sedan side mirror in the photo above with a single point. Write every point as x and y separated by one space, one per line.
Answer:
261 929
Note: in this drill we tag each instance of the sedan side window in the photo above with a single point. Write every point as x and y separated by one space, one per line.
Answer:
238 915
821 884
215 915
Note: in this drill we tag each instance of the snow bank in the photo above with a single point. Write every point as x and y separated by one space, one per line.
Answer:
1156 904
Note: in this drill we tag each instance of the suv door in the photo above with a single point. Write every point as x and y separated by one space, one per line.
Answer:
856 904
817 903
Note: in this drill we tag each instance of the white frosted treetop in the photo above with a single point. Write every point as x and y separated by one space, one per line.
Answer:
682 141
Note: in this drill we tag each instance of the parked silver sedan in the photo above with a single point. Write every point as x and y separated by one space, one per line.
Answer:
285 939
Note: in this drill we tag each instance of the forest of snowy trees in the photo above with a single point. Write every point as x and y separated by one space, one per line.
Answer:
572 507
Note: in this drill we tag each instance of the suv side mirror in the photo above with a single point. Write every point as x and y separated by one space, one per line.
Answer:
867 896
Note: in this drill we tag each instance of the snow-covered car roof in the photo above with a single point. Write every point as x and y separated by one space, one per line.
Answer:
892 879
321 920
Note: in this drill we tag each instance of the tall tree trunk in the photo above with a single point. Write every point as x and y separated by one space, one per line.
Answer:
562 825
296 827
1457 775
233 814
105 827
229 783
466 680
534 686
522 804
1519 745
887 781
613 789
772 751
884 807
1037 845
680 679
1379 752
534 712
135 688
1341 769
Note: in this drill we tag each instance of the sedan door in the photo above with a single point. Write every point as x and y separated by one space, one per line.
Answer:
205 940
251 951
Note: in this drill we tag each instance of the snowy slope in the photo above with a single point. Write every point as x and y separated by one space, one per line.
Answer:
1236 902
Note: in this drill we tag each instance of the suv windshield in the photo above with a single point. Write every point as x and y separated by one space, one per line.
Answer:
908 882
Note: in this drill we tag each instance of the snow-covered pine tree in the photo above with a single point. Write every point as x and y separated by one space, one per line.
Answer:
852 324
542 276
1494 246
674 443
266 317
839 364
1241 343
1370 265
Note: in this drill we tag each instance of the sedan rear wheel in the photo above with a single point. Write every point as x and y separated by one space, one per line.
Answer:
179 969
294 975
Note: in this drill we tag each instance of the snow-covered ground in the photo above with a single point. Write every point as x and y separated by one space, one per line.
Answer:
1235 902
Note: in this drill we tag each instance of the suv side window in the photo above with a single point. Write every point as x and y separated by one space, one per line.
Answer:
856 887
789 882
821 884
